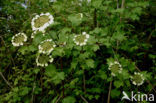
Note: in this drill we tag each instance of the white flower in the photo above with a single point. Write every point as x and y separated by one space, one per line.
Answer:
43 59
137 79
115 67
19 39
46 46
33 34
81 39
52 0
79 16
41 22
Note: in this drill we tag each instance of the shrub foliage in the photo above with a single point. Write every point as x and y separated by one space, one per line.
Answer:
96 50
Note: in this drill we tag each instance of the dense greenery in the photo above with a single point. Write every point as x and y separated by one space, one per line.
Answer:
120 30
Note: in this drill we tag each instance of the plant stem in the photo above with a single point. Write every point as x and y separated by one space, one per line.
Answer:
5 80
117 3
62 80
122 7
84 82
83 99
123 4
95 18
58 99
110 87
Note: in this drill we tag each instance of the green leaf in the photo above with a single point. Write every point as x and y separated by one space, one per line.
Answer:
69 99
32 48
118 84
58 51
95 47
58 77
74 64
50 70
119 36
61 75
97 3
75 19
74 81
36 70
54 100
23 49
90 63
115 93
38 39
105 41
102 75
53 34
24 91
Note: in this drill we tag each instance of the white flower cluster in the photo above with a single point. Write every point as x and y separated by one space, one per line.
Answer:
81 39
43 60
19 39
46 46
115 68
137 79
41 22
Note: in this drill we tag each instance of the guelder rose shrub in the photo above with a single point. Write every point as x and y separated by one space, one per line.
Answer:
73 51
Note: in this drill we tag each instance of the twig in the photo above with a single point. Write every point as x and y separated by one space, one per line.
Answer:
34 86
62 80
123 4
95 18
149 37
83 99
5 80
84 82
110 87
117 3
122 7
58 99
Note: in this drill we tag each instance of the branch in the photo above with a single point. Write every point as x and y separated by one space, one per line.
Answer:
5 80
62 80
122 7
34 86
110 87
58 99
117 3
83 99
123 4
95 18
84 82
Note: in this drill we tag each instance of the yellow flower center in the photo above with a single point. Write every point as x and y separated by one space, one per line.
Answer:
41 21
43 59
115 68
80 38
47 46
19 39
137 78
